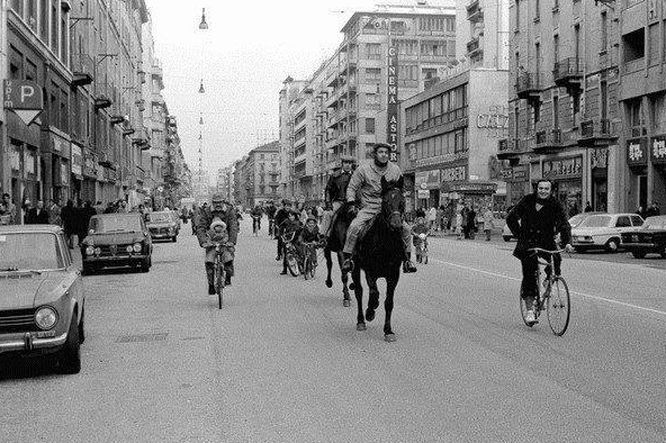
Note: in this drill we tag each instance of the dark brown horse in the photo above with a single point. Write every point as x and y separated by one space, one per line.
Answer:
379 253
336 242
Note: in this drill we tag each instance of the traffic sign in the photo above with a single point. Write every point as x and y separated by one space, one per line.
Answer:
25 98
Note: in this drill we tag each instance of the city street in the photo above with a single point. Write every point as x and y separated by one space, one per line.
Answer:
282 361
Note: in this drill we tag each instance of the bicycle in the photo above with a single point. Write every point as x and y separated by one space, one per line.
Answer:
271 227
290 254
310 259
554 298
256 225
220 272
421 248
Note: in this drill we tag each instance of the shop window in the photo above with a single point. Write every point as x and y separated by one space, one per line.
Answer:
634 45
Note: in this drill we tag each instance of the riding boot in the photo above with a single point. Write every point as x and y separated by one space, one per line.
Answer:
348 264
407 265
210 274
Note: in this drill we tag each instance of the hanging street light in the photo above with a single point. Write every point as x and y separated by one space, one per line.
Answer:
200 119
203 24
201 87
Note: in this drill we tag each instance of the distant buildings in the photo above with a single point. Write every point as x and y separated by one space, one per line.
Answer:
256 177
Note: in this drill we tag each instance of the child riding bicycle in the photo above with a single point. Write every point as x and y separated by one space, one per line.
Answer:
420 233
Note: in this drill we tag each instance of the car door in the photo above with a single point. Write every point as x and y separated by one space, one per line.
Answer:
72 279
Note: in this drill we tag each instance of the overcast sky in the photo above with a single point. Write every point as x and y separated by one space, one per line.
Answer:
249 48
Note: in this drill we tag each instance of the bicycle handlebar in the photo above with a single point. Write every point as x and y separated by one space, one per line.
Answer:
556 251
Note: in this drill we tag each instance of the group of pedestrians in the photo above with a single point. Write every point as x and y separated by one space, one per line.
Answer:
652 211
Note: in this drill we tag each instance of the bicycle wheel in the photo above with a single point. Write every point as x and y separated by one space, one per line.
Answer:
306 268
219 283
558 306
292 264
313 269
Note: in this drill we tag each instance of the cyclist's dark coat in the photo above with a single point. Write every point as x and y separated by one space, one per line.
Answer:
336 188
537 228
205 218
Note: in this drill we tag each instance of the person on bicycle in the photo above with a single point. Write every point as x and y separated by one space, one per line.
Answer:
290 226
420 233
225 212
336 192
256 214
309 234
270 210
366 181
535 221
280 216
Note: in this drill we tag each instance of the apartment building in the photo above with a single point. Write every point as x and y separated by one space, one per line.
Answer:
345 106
259 175
225 182
564 114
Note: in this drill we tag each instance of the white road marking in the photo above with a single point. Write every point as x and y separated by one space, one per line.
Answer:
582 294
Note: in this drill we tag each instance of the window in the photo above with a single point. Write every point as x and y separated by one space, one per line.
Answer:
32 15
634 45
636 220
603 86
429 73
577 43
54 26
604 31
63 41
623 222
369 125
17 6
373 74
654 55
408 72
44 20
373 51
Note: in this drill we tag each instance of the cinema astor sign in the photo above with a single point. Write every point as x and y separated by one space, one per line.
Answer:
392 103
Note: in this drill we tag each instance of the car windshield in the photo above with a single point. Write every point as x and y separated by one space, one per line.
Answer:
596 221
29 251
160 217
655 222
576 219
120 223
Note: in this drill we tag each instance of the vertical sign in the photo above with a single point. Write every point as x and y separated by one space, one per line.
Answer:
392 103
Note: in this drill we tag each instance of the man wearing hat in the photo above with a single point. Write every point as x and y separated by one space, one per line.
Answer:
281 215
222 210
366 181
336 191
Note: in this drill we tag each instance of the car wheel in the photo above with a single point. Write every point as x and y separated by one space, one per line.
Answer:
145 266
175 238
507 238
70 355
87 269
82 332
612 245
638 254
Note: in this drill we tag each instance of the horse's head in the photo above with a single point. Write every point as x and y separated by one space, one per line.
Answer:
393 202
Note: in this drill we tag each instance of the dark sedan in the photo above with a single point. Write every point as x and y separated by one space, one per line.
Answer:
648 239
117 240
163 225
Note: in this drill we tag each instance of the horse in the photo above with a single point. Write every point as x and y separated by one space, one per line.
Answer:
379 253
336 242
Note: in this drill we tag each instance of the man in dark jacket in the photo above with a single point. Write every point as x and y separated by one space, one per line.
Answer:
281 215
37 215
535 221
336 191
225 212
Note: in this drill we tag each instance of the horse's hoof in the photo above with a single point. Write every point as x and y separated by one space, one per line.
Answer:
329 283
361 327
346 303
369 314
389 338
352 286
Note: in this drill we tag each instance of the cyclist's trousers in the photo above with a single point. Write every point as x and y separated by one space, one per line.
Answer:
256 224
530 267
210 271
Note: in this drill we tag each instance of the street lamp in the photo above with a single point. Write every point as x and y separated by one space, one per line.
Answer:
203 24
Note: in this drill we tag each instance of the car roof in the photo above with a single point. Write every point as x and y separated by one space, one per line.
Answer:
37 229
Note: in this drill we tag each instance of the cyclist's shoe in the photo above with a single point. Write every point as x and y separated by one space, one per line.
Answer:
278 257
284 272
211 289
227 280
529 316
347 265
408 267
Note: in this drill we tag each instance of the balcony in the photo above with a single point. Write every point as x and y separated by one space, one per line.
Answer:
141 139
83 69
474 12
528 86
548 139
568 73
103 96
473 47
596 133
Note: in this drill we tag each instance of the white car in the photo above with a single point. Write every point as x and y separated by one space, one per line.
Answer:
603 231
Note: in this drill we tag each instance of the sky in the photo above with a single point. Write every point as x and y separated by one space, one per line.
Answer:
250 47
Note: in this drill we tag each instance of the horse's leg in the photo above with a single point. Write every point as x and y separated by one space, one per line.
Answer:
344 277
391 284
373 296
329 266
358 292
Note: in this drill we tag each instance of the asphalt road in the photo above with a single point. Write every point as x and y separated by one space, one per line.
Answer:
282 361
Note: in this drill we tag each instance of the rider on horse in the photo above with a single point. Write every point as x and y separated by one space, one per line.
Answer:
366 181
336 191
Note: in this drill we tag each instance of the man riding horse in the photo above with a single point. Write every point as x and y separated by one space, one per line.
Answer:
336 192
365 186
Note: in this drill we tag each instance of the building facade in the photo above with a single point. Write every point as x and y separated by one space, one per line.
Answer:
225 183
343 108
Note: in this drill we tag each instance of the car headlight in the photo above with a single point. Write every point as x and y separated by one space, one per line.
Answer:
129 249
46 318
137 247
588 238
98 251
90 250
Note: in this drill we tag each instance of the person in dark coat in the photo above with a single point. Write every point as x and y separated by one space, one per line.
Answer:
281 215
86 214
535 221
69 222
37 215
471 223
653 210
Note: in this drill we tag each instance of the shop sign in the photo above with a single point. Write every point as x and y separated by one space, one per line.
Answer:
637 152
658 149
457 173
77 160
427 179
30 162
474 187
438 159
60 146
424 193
506 174
520 173
599 158
557 169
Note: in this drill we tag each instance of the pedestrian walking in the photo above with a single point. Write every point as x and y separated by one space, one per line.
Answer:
488 221
588 207
460 219
37 215
653 210
432 218
54 213
7 210
471 223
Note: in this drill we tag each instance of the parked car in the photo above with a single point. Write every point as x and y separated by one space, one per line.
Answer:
580 218
163 225
42 308
648 239
603 231
116 240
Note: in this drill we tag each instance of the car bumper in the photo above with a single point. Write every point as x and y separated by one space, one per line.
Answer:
631 246
116 261
162 235
31 342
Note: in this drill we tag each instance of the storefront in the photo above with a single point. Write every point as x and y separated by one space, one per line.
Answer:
427 185
61 168
599 178
637 157
566 174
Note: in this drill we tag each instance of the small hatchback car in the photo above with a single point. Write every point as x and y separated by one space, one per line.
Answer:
42 307
163 225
